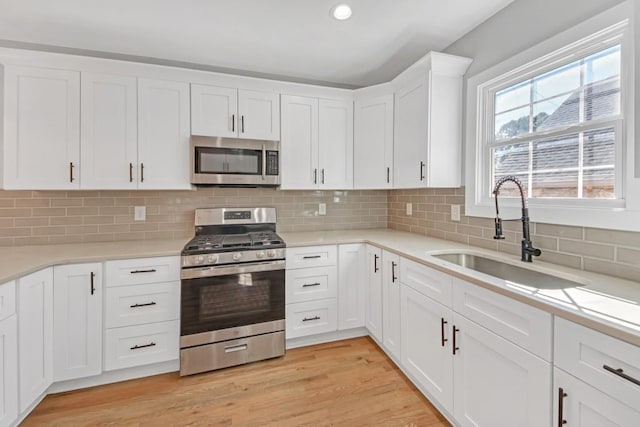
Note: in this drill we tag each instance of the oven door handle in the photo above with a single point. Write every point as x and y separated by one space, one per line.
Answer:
255 267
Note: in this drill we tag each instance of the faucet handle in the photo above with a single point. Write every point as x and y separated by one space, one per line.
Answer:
498 225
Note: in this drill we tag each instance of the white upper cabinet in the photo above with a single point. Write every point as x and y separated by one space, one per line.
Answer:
163 135
373 142
317 143
428 122
41 144
234 113
109 131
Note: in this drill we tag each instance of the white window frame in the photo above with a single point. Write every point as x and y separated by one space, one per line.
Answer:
610 28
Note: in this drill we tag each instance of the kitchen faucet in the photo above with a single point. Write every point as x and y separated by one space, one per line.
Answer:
527 247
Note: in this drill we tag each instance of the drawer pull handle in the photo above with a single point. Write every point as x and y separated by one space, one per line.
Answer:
308 285
308 319
138 347
455 347
561 396
620 372
151 270
143 305
311 256
235 348
442 323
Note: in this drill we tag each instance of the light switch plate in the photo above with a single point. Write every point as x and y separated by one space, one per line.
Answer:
409 208
139 213
455 212
322 209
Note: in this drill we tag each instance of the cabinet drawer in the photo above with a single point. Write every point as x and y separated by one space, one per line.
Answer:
312 256
7 299
308 284
584 353
140 304
313 317
526 326
142 270
427 281
141 345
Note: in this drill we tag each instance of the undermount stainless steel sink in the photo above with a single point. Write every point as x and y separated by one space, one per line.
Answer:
511 273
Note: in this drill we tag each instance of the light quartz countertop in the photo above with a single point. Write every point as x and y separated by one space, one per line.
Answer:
605 303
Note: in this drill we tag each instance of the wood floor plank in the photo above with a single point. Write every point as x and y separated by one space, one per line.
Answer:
345 383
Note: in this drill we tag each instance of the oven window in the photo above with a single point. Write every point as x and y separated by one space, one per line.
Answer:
228 161
221 302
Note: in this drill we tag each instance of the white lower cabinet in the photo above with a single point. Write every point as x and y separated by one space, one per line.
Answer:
35 335
311 317
391 315
426 344
141 345
8 370
140 304
578 404
351 286
77 321
496 383
373 309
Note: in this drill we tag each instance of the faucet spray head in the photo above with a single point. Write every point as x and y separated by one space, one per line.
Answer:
498 225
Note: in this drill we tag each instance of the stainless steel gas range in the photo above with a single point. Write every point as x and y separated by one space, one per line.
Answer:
233 292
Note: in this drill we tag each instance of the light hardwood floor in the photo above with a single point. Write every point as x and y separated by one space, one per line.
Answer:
345 383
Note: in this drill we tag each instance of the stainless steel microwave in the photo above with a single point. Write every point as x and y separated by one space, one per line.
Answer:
227 161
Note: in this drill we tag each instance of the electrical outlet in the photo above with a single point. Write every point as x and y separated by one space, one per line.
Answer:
455 212
139 213
409 208
322 209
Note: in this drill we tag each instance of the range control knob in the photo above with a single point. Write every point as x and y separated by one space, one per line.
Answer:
260 254
212 259
199 259
271 253
237 256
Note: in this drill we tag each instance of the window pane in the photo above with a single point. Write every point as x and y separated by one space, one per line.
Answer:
599 184
602 100
599 148
556 82
512 123
512 97
602 65
511 159
557 153
555 184
556 112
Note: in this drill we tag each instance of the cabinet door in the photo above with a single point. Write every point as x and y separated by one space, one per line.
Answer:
299 143
410 134
109 131
259 115
8 371
35 335
374 292
335 158
42 129
214 111
351 286
585 406
163 135
373 143
77 321
497 383
426 344
391 303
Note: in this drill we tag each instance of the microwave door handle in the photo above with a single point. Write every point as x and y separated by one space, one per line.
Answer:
264 163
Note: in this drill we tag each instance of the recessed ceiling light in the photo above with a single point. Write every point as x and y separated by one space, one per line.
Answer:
341 12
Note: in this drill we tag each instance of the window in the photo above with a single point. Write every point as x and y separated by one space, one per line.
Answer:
557 131
560 116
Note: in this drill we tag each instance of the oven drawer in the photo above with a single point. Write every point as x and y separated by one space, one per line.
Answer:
310 318
140 304
141 345
309 284
230 353
7 299
142 270
312 256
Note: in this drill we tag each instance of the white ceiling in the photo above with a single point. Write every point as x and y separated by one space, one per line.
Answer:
288 38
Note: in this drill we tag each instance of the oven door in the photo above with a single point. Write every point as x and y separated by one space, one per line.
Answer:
227 297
